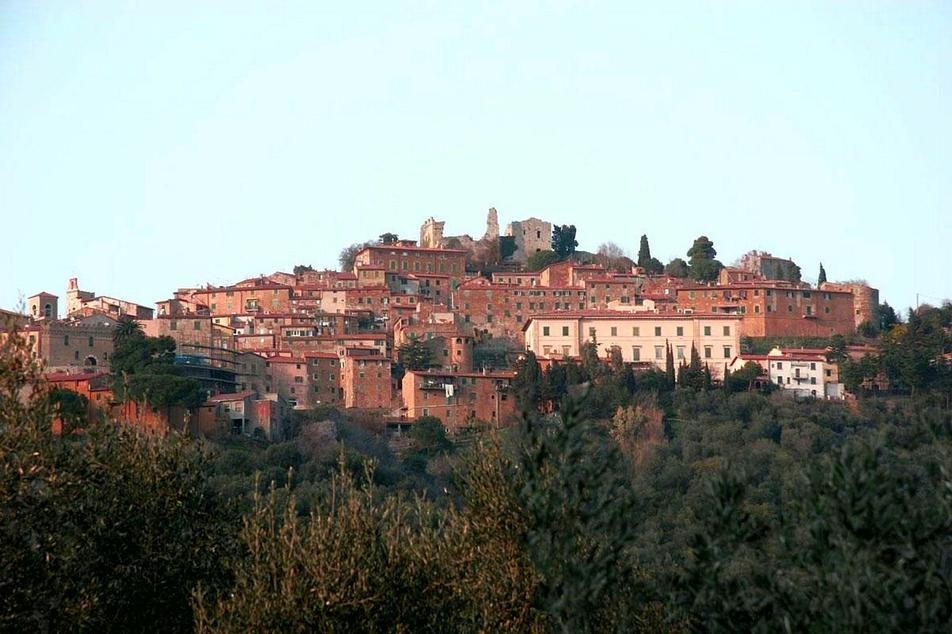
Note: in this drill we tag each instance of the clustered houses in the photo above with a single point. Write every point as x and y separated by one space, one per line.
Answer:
268 344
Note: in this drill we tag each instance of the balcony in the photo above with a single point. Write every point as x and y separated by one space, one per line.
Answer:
435 384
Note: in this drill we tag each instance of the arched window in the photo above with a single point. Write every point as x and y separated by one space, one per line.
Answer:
47 311
90 361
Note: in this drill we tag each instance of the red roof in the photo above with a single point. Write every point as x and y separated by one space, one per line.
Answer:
60 377
235 396
395 247
320 355
285 359
501 374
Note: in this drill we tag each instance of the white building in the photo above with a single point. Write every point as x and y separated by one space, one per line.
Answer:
802 373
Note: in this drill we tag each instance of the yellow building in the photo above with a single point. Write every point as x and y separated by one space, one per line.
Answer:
641 337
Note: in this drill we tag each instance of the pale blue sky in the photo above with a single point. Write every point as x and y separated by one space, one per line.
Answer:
150 145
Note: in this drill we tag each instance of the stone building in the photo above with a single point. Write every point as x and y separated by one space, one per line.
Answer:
769 267
43 306
365 378
460 399
431 233
531 235
79 302
865 300
775 308
67 345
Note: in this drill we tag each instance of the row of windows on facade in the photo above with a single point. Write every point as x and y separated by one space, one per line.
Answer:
92 340
780 381
505 293
449 412
251 305
659 352
635 331
232 293
418 267
715 294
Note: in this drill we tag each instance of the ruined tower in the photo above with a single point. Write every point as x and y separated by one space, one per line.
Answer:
492 225
431 233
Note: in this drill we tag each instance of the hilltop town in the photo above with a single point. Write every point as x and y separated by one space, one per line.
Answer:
436 327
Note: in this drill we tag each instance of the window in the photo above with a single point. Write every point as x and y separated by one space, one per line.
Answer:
545 331
829 372
789 308
707 331
727 331
756 308
680 352
659 352
173 325
812 380
66 340
779 365
657 331
636 353
591 331
809 310
680 331
90 342
614 331
565 331
813 366
197 325
708 352
727 352
636 331
299 379
76 355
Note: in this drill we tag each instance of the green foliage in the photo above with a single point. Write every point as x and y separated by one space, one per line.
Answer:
701 258
388 238
527 382
821 277
429 437
651 265
864 547
541 259
507 247
743 380
887 317
144 369
349 254
415 355
110 533
677 268
71 407
563 241
574 490
302 268
911 356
